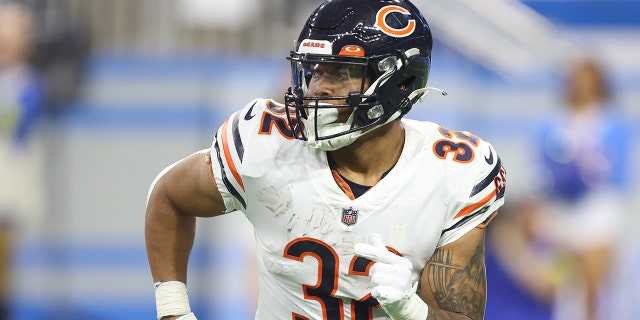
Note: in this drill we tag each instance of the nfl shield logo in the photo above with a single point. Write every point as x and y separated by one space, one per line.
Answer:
349 216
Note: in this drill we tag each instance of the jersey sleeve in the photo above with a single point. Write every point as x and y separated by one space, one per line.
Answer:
227 154
477 192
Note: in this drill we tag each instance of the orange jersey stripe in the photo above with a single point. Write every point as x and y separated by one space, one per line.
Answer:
343 184
227 154
475 206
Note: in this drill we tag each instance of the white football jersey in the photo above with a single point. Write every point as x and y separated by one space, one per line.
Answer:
444 184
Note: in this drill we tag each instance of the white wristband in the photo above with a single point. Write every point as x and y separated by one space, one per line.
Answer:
189 316
412 308
171 299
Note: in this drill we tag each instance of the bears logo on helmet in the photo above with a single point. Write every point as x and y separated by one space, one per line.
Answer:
386 28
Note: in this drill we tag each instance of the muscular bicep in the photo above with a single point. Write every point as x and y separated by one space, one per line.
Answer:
189 188
454 279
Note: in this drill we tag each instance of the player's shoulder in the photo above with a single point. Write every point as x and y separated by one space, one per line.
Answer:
458 146
256 107
265 118
462 155
257 131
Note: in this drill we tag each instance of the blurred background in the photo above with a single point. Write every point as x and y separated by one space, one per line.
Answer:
97 96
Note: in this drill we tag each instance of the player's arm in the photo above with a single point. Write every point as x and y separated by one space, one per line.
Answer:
453 282
179 195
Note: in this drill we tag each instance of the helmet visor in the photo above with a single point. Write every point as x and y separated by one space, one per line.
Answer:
322 81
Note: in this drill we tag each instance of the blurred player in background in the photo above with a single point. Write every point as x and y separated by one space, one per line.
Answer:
21 104
358 213
561 244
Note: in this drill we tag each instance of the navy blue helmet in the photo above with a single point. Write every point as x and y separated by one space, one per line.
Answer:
388 40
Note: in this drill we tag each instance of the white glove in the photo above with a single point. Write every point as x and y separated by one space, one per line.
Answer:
391 281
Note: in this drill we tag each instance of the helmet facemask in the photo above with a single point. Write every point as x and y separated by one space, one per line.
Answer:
328 122
394 82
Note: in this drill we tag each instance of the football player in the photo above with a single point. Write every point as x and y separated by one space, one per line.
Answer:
358 213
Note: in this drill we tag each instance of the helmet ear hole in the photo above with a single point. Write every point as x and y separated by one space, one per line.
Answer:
406 83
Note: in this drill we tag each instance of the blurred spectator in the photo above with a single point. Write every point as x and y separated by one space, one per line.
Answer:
560 245
21 103
518 278
21 88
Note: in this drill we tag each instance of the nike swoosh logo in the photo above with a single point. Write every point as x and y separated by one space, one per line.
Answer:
490 159
248 115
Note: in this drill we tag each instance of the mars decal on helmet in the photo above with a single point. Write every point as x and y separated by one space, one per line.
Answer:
352 50
382 24
349 216
315 46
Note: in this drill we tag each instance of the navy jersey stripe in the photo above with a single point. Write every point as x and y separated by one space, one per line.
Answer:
237 140
225 180
487 180
465 219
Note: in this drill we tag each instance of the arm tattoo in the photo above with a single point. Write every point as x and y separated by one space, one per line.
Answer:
457 289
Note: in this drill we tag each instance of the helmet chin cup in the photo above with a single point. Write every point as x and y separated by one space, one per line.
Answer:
320 125
334 143
324 114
